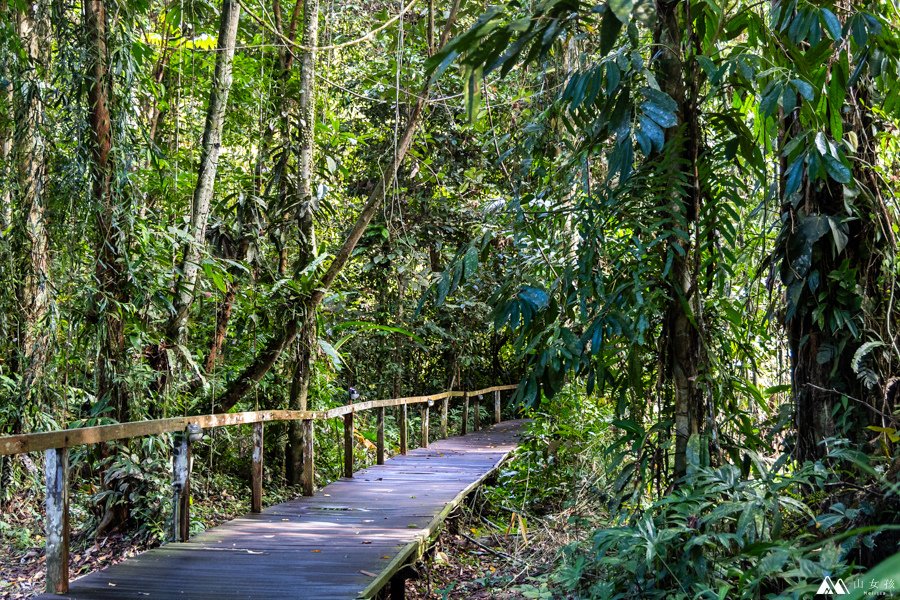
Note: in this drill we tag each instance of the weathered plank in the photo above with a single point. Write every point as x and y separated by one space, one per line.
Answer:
348 445
423 433
56 471
256 469
404 429
347 541
308 474
181 470
379 446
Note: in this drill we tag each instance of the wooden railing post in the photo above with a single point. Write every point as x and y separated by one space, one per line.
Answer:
403 429
181 466
496 406
445 407
56 472
423 435
477 408
464 429
348 445
308 472
379 450
256 470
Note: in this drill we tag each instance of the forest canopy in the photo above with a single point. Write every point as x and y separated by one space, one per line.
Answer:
672 223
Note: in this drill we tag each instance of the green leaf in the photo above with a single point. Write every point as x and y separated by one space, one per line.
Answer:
822 144
769 101
803 88
663 117
470 261
653 132
861 353
793 178
609 31
361 326
839 232
331 353
837 170
472 93
831 23
622 9
537 298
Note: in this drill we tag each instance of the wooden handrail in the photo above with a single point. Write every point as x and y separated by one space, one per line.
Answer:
67 438
55 445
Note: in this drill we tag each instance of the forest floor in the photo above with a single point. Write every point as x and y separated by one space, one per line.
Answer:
496 553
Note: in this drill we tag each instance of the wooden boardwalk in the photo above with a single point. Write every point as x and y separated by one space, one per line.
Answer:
344 542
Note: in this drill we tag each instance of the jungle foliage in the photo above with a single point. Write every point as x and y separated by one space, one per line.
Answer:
674 223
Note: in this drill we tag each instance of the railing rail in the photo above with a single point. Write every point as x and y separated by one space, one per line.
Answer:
67 438
55 445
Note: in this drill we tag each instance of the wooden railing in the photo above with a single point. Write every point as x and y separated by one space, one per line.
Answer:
55 445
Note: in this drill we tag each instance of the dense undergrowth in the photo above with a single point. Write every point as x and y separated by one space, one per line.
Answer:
764 528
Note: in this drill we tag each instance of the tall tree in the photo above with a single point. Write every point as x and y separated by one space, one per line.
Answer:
111 270
209 161
299 390
680 78
836 230
33 26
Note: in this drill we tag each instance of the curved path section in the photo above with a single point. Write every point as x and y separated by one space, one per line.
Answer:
347 541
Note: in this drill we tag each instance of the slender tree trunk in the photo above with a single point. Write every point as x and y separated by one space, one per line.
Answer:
307 206
7 134
31 161
111 270
223 316
209 161
679 79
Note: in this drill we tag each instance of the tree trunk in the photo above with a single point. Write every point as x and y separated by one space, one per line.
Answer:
7 134
110 271
679 79
307 241
822 357
223 316
209 161
31 160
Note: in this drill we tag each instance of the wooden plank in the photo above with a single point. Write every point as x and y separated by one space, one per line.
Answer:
256 469
496 406
348 445
423 434
379 445
308 473
181 473
56 472
477 416
345 542
404 426
416 548
464 428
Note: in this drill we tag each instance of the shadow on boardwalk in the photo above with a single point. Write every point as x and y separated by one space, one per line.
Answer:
344 542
